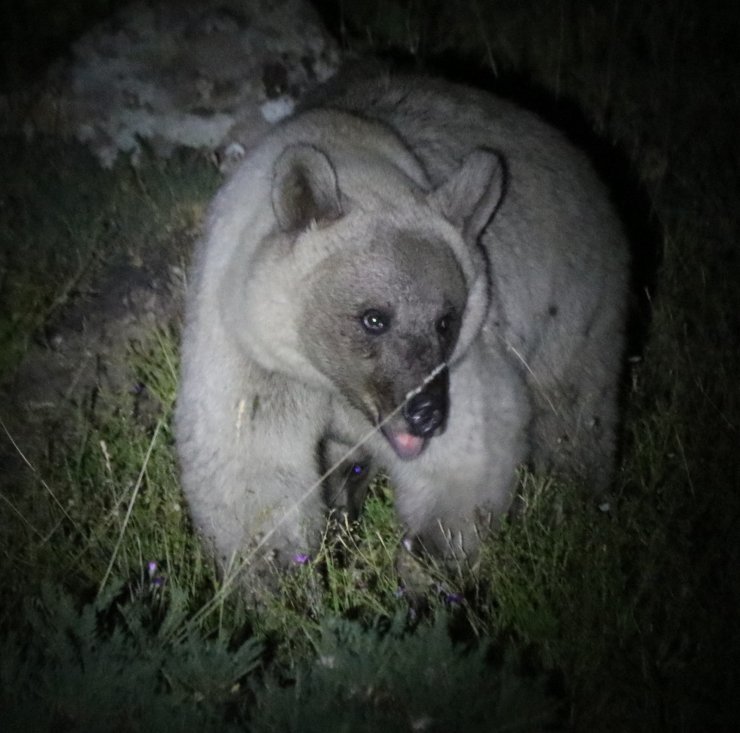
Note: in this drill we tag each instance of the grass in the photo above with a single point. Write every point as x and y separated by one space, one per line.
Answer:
612 619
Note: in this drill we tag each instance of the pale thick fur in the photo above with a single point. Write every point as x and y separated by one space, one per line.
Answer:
432 199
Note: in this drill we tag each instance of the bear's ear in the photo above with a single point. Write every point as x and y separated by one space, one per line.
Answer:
469 198
304 188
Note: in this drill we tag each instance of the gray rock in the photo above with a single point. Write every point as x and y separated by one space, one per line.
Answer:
210 74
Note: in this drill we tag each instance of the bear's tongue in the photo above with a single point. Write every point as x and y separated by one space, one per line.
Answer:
406 445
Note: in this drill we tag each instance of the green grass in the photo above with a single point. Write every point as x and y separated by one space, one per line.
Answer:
64 219
610 620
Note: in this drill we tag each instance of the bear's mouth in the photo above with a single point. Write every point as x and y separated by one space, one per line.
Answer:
406 445
423 415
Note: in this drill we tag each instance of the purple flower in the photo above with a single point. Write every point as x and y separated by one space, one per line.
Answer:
155 581
301 558
449 596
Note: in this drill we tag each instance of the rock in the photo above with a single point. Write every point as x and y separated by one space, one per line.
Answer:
208 74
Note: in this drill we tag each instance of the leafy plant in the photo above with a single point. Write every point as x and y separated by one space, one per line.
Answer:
392 679
113 665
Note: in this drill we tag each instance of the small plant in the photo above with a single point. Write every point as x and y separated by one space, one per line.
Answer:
388 678
113 665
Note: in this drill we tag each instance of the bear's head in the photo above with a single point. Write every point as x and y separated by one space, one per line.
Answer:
371 285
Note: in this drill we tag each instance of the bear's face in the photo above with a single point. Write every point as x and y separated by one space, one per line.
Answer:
368 284
381 322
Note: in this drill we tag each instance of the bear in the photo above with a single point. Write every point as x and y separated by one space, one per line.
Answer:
415 267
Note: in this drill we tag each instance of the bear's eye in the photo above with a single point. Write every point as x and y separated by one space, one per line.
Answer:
444 324
375 321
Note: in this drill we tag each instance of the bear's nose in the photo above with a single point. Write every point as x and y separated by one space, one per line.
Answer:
426 411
